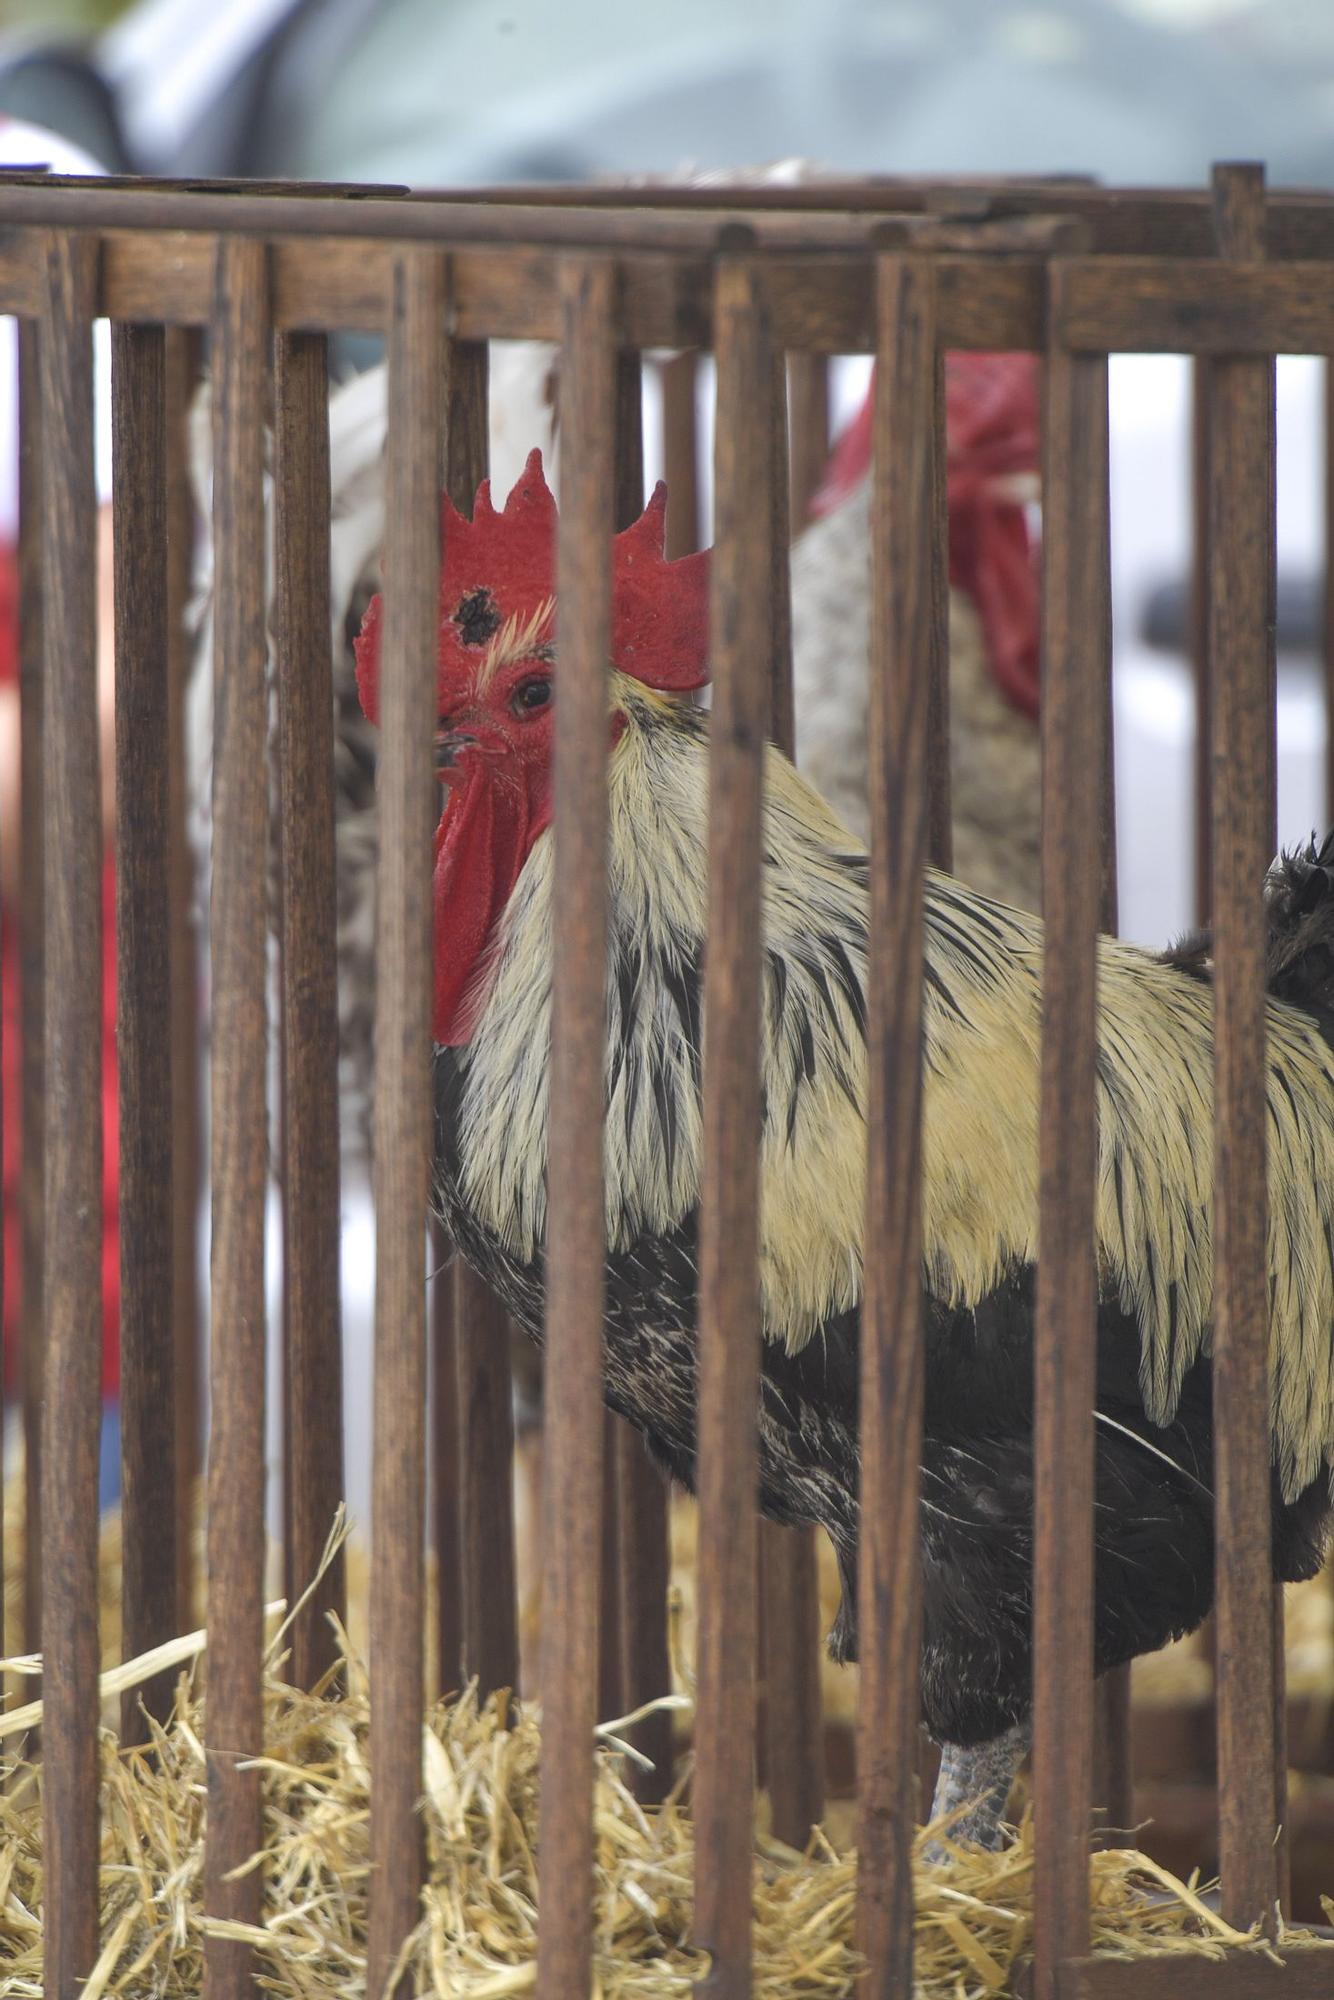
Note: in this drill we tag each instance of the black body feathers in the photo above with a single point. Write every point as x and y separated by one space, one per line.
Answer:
1154 1481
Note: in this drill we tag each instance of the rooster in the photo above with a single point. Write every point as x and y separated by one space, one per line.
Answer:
991 420
493 916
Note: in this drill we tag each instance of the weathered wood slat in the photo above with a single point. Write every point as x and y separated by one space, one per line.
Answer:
908 627
1241 662
312 1219
729 1329
1076 678
466 456
454 224
403 1121
180 369
576 1220
819 300
1328 606
680 453
789 1614
239 1127
486 1458
32 962
480 1331
1165 220
149 1611
1113 1729
447 1536
1199 634
72 907
1161 305
1303 1975
808 396
638 1491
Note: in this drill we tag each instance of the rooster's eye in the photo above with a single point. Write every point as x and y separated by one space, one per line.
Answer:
530 695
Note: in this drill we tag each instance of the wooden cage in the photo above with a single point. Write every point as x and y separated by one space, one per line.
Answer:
905 270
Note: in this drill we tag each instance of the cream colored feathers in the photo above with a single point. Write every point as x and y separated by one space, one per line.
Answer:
981 1089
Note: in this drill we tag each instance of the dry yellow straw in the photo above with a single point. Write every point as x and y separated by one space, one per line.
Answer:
476 1935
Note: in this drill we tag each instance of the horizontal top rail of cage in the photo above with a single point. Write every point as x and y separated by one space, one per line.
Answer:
1147 221
332 263
821 303
472 217
1179 222
26 176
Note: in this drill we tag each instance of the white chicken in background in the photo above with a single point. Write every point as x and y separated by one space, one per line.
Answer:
992 455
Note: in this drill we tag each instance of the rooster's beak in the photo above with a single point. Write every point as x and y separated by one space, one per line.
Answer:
449 746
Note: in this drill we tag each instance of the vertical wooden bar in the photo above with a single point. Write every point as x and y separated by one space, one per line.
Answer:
32 961
486 1445
408 699
643 1501
808 400
1199 633
1076 669
4 953
72 898
464 455
1113 1755
680 454
464 452
482 1331
642 1496
180 364
444 1482
939 787
143 1013
908 626
234 1542
576 1221
1226 242
729 1325
789 1641
793 1713
611 1604
313 1459
782 728
620 1584
1241 656
1328 596
443 1445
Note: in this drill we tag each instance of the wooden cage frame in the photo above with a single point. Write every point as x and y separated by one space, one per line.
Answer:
900 269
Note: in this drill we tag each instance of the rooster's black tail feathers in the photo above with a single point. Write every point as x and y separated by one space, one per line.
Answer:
1299 913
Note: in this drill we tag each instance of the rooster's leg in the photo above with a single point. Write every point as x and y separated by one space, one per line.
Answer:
980 1778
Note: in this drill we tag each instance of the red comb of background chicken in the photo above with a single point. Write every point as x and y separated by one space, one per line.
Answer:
500 567
991 435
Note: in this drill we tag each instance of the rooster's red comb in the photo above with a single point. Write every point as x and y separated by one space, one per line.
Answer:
502 566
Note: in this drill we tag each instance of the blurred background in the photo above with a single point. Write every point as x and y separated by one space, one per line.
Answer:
458 92
469 92
466 92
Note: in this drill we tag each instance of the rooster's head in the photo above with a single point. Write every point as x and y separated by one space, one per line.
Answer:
498 673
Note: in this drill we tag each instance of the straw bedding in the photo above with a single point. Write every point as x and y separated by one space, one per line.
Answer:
476 1935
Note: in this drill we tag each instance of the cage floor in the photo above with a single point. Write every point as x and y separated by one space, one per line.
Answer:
476 1937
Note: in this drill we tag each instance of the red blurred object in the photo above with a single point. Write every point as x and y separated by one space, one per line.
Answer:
992 434
9 1001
